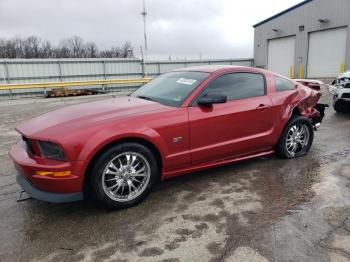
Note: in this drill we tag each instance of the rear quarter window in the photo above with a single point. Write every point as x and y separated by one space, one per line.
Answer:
282 84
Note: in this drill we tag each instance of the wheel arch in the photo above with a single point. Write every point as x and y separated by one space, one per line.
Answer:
280 150
132 139
295 112
288 115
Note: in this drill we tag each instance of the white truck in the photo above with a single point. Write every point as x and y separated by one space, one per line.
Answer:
340 88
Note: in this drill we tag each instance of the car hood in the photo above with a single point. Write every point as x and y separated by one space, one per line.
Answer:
81 116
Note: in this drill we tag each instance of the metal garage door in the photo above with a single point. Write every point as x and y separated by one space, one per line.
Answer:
326 52
281 55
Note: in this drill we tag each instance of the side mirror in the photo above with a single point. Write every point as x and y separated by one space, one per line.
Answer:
209 99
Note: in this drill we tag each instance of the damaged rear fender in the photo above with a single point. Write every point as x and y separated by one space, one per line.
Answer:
309 107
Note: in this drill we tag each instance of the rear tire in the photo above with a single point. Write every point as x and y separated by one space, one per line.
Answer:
123 175
296 139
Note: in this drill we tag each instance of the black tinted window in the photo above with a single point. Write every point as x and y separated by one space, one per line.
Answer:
238 85
282 84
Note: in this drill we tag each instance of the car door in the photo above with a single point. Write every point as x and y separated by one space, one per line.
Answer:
238 127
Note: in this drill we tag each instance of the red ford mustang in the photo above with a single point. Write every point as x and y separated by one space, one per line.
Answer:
180 122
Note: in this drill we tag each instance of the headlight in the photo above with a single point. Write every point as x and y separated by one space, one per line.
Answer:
51 150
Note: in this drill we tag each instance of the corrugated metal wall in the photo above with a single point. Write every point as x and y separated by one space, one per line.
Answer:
336 11
58 70
52 70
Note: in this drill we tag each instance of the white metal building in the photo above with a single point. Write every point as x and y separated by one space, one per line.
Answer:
311 39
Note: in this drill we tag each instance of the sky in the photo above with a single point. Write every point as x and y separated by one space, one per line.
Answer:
180 28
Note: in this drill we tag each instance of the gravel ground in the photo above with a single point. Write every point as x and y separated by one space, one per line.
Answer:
264 209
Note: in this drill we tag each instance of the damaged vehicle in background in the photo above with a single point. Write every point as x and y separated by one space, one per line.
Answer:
182 121
340 89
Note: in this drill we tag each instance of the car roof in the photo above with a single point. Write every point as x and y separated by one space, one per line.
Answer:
211 68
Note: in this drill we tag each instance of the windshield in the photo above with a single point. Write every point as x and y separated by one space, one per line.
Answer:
171 88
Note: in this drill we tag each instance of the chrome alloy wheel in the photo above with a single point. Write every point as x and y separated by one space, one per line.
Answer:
126 176
297 139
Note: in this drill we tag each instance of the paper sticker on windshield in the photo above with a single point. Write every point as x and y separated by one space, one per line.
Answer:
186 81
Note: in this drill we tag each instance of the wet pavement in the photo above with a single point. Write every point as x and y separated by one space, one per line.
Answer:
265 209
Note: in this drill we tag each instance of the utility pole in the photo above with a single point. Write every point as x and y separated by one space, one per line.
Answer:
143 63
144 14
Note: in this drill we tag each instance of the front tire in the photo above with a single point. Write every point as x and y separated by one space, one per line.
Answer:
341 107
123 175
296 139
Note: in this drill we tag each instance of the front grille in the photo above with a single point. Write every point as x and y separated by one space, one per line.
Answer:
346 95
29 145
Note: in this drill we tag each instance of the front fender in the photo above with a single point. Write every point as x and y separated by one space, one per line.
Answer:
107 136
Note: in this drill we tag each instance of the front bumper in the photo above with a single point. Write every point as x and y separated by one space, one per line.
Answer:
47 188
344 100
342 94
47 196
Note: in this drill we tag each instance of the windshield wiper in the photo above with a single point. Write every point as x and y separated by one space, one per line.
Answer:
146 98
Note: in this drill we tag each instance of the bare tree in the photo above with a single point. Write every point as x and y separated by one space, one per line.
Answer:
18 45
62 51
74 47
13 48
2 48
105 54
46 50
116 52
91 50
30 47
126 51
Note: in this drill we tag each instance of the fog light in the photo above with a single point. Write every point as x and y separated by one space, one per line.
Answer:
51 173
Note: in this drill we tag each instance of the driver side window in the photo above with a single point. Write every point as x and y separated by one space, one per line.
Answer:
237 86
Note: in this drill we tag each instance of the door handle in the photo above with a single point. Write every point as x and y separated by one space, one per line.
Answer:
262 107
